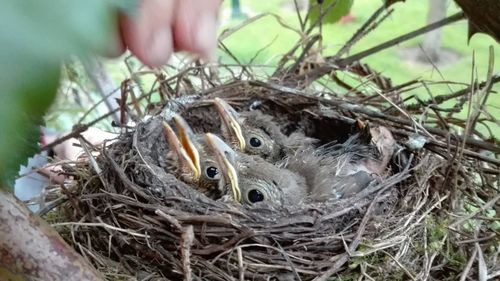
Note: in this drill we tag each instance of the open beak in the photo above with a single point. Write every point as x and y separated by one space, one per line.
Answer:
229 118
222 153
183 147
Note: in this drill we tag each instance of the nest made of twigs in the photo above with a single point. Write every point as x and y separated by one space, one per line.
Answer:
134 218
434 218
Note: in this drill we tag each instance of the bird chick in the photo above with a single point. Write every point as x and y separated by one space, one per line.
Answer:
342 170
251 179
330 172
190 160
255 133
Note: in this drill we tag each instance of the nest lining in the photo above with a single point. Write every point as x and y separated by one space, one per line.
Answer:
136 219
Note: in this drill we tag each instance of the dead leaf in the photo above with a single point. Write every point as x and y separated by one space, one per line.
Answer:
483 17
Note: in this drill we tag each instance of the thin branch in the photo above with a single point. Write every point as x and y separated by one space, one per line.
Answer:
442 98
393 42
362 31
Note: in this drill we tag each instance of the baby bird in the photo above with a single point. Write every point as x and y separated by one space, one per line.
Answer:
330 172
255 133
342 170
251 179
189 159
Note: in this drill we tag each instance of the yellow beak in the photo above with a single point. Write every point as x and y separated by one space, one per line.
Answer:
183 147
222 151
229 118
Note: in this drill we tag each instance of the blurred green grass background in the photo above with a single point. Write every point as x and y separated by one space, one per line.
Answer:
272 40
265 40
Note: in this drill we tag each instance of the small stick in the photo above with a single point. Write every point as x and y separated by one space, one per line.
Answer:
103 225
400 39
187 238
240 264
368 25
354 244
485 207
468 267
299 17
170 219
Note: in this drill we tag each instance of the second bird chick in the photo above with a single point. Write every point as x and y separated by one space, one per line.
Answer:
330 172
256 133
190 160
251 179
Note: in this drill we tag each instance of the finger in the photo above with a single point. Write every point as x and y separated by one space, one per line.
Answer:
148 33
116 46
195 26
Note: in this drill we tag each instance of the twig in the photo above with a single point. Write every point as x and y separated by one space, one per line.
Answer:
230 31
362 31
304 53
401 266
287 258
400 39
275 266
241 268
299 17
323 13
187 238
170 219
93 162
77 130
127 183
104 225
227 245
483 208
354 244
485 92
468 266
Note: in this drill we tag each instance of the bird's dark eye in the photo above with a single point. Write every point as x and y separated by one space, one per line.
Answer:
212 172
255 196
255 142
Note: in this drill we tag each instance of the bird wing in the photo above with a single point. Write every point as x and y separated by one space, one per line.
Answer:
341 186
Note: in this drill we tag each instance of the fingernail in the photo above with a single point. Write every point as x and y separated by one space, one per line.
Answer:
160 47
206 36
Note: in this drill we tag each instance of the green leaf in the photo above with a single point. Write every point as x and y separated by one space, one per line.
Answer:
35 37
333 10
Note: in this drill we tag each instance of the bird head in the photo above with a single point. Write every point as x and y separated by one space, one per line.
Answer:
194 165
249 135
251 179
224 156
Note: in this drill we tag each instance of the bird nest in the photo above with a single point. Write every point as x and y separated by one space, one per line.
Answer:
132 217
434 217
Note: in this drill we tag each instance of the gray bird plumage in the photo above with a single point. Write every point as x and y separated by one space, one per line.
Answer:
342 170
332 171
256 133
255 179
281 169
261 181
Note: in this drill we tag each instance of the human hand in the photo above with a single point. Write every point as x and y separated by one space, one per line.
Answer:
71 149
161 27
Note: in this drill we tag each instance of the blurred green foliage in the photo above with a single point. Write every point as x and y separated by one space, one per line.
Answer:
35 37
333 10
248 44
